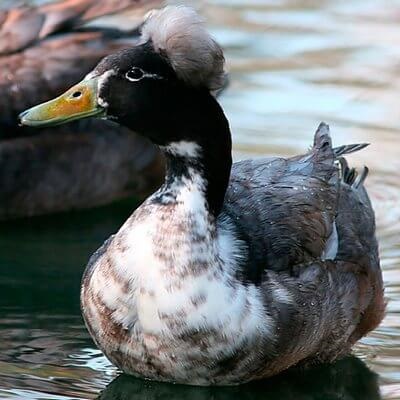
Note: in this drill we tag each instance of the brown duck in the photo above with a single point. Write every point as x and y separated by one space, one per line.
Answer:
43 51
227 273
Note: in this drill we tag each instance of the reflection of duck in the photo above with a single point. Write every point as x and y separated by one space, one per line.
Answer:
43 50
348 379
227 273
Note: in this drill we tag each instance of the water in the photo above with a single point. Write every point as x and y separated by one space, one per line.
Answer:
293 64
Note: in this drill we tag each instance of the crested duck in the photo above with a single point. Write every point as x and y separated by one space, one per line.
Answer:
228 272
43 51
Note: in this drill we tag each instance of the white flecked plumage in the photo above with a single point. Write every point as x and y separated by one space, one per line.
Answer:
165 301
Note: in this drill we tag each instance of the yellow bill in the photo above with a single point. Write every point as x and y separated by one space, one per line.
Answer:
78 102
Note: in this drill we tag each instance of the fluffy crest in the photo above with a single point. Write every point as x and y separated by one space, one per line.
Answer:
178 32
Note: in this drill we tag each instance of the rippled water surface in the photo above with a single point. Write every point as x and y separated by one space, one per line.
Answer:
293 64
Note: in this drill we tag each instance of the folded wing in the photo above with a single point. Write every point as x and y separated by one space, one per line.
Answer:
294 211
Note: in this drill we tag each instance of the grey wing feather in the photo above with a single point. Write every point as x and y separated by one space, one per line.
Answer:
349 148
287 210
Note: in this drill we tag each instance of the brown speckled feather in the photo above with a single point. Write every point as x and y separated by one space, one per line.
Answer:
22 26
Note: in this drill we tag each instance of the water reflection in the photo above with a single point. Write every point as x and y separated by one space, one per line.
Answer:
45 347
348 379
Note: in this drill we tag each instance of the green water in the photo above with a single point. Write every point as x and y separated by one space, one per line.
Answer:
293 64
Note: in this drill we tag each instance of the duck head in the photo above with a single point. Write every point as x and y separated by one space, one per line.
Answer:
153 87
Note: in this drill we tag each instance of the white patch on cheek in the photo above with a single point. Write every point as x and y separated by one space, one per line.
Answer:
102 80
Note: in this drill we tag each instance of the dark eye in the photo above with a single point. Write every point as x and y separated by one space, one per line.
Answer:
135 74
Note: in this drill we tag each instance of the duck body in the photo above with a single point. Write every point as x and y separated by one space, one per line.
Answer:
226 273
177 295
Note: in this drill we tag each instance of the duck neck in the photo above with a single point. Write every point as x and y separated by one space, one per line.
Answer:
201 162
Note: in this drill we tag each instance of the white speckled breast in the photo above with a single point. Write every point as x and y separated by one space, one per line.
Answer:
161 300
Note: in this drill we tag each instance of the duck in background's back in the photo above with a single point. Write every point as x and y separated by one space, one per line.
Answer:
43 51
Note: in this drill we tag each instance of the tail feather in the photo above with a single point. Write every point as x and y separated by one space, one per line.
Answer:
322 148
348 148
322 138
325 154
350 175
361 177
347 174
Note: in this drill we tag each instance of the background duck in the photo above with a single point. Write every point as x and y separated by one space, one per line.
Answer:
227 273
43 51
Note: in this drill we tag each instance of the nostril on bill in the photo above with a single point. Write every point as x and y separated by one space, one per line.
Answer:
77 94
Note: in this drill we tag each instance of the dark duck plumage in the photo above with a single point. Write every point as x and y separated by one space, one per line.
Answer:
43 51
227 273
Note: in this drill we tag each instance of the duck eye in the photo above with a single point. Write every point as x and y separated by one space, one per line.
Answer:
135 74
